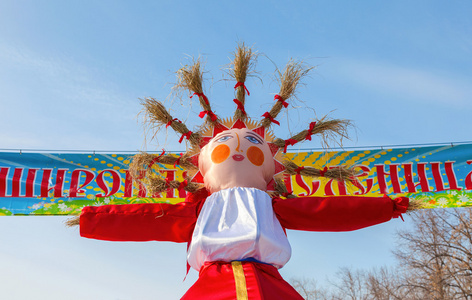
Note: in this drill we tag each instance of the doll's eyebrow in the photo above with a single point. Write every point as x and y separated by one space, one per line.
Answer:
221 135
256 136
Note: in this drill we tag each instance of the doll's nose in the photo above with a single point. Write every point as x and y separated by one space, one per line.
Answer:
238 148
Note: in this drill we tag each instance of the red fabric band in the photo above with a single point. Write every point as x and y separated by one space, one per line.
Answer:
240 106
242 84
290 142
323 172
268 116
310 131
177 162
213 117
170 122
280 99
216 280
203 96
286 194
187 135
400 206
299 169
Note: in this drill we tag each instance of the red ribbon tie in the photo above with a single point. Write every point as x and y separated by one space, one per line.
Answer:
280 99
187 135
290 142
183 184
201 95
323 172
310 131
400 206
299 169
242 84
213 117
268 116
240 106
170 122
177 162
156 159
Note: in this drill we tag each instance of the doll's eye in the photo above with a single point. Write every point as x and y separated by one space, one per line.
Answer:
224 139
252 139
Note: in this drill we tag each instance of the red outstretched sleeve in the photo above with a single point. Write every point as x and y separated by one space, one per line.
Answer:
141 222
340 213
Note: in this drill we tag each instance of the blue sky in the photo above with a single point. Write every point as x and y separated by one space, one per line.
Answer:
71 73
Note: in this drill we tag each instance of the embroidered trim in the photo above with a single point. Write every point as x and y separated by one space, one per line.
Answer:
239 280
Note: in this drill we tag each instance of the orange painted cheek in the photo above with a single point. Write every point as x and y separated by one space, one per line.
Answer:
220 154
255 155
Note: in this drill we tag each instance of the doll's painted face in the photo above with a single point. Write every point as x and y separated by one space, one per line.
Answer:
236 158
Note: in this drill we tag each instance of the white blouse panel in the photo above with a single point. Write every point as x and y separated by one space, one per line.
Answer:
238 224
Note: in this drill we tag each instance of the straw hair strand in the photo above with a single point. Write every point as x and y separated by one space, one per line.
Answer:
190 78
241 67
289 80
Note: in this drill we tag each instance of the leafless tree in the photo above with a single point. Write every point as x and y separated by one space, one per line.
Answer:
308 289
437 254
434 262
387 284
350 285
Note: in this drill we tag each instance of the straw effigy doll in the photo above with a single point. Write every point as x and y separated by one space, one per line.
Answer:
234 218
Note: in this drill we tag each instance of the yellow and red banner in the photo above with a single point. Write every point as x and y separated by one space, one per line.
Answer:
63 183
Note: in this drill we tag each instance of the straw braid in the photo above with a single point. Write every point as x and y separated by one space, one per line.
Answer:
281 189
340 173
74 221
415 204
183 161
242 65
191 79
144 161
289 80
324 128
156 115
155 186
159 185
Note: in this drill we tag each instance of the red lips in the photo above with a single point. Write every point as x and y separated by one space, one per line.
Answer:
238 157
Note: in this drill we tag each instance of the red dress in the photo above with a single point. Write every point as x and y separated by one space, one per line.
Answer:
235 280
